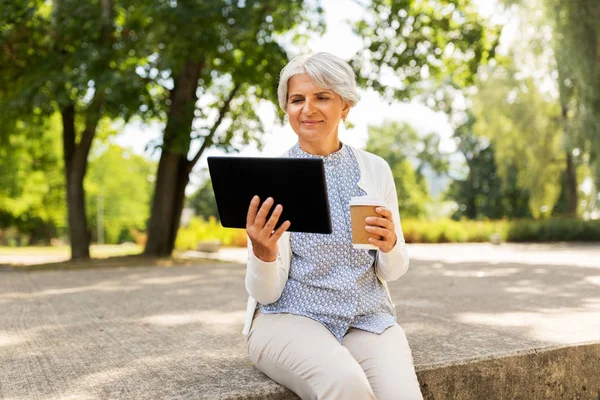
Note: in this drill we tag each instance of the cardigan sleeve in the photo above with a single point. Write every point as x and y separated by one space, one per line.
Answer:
265 280
392 265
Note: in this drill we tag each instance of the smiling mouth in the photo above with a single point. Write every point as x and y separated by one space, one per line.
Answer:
310 123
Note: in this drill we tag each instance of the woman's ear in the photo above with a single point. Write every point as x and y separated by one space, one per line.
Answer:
346 109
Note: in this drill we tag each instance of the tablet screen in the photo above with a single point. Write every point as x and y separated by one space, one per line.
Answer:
298 184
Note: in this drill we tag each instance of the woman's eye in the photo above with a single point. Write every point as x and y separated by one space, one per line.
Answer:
296 101
323 98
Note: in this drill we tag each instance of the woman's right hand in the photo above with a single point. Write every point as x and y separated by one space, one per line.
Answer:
260 230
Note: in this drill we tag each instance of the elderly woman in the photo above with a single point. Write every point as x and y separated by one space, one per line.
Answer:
320 319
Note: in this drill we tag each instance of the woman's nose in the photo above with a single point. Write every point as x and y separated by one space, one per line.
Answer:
308 107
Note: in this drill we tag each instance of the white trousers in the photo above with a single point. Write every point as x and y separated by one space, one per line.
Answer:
302 355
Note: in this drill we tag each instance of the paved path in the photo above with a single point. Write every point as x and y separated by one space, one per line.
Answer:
31 259
175 332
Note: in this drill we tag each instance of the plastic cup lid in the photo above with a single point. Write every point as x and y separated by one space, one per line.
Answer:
366 201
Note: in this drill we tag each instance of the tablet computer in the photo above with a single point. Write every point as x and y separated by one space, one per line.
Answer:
298 184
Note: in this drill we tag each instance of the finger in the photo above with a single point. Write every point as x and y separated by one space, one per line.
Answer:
385 212
252 210
377 221
381 232
270 225
381 244
284 227
261 216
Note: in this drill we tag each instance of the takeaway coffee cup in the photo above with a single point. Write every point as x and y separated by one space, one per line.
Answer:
361 208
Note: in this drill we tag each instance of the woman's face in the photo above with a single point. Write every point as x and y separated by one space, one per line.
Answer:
314 114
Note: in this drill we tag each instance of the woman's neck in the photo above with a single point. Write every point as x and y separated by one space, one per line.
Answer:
321 149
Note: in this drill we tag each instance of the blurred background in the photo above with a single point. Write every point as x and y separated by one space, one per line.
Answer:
488 112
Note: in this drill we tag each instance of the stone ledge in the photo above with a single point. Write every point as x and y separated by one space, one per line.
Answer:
571 372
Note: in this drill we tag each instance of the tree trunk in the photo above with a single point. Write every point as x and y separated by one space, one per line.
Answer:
570 173
74 173
174 167
169 195
76 153
571 186
471 211
78 232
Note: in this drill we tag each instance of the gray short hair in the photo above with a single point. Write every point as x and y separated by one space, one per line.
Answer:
326 70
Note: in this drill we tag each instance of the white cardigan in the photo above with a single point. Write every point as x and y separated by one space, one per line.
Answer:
265 281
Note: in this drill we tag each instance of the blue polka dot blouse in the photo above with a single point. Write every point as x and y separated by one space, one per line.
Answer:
330 281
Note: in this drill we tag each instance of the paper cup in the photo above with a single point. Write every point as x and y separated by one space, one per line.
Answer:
361 208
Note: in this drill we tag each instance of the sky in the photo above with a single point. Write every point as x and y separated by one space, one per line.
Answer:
370 110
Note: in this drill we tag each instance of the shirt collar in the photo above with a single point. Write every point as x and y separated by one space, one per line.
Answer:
331 159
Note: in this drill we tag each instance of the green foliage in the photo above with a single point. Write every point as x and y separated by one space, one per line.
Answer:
63 52
402 147
449 231
577 49
573 42
31 183
483 193
118 185
425 50
406 42
524 127
203 201
576 44
200 229
549 230
554 230
234 46
427 231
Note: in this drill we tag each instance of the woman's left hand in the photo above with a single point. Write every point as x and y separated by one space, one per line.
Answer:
384 228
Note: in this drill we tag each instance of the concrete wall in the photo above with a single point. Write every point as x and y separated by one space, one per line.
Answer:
558 373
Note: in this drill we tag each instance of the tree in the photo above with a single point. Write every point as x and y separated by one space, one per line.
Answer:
402 147
429 51
203 201
407 45
524 126
577 51
575 42
73 58
119 187
484 193
209 76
